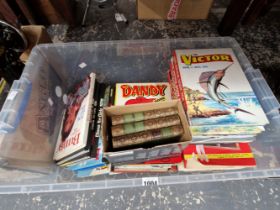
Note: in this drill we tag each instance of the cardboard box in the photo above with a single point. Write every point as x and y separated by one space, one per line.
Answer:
35 35
140 154
159 9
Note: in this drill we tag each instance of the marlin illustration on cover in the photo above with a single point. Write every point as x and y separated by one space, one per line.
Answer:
216 89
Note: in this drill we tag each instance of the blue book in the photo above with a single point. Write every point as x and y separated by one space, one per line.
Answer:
106 169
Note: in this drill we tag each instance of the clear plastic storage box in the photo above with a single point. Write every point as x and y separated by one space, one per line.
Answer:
33 110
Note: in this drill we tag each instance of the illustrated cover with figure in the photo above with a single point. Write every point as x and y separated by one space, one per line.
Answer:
216 89
217 157
95 156
136 93
74 131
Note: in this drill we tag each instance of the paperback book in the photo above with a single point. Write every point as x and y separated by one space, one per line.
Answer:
216 89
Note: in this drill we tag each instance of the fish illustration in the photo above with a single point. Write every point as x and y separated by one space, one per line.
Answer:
210 81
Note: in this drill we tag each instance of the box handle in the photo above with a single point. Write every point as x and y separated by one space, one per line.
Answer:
15 105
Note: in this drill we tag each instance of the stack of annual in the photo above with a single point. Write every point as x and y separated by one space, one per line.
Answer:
216 94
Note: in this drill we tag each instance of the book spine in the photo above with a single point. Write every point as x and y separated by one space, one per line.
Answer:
173 82
170 81
179 81
99 113
98 118
140 116
147 136
144 168
93 141
128 128
95 105
92 93
107 96
112 96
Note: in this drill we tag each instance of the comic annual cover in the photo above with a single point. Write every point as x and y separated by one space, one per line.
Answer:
216 89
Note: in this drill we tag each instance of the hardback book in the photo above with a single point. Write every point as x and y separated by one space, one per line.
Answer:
135 127
91 155
217 157
75 127
91 149
215 88
142 116
136 93
160 135
104 91
93 139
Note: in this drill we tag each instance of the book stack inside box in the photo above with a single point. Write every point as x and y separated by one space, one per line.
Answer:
210 157
202 120
80 129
